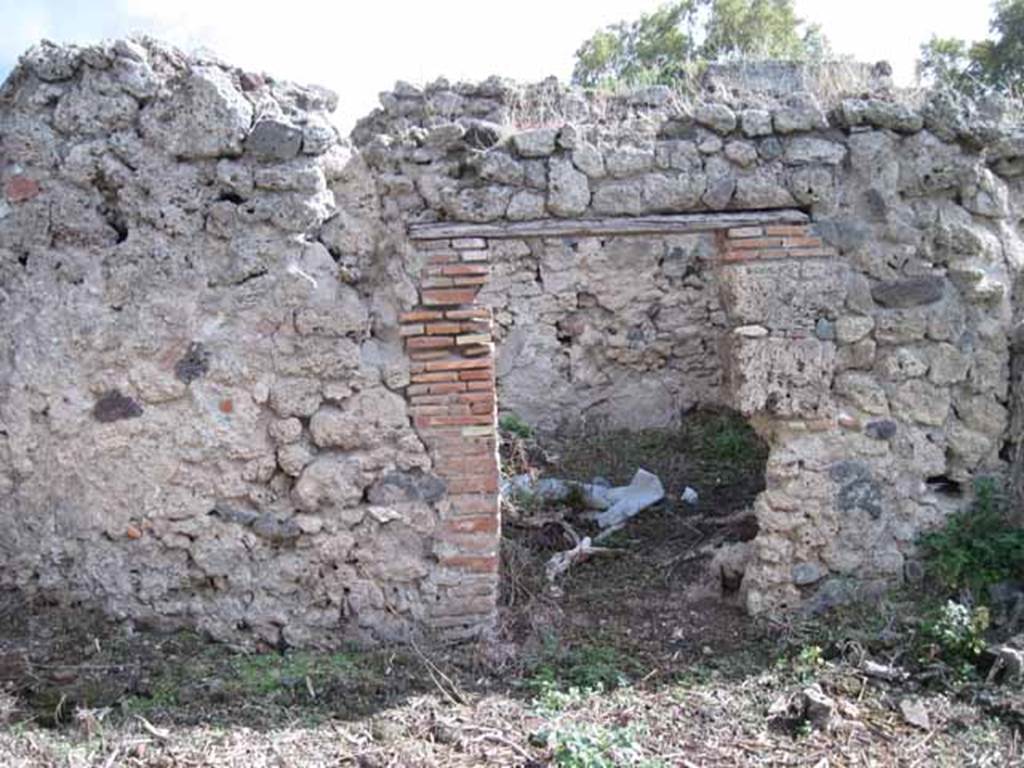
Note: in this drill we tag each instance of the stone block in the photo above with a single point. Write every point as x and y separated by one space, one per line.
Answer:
784 378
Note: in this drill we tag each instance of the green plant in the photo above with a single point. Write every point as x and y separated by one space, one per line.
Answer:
978 546
576 499
265 674
513 425
580 671
804 664
591 745
808 661
730 440
958 631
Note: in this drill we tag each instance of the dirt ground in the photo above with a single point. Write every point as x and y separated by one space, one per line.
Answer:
625 664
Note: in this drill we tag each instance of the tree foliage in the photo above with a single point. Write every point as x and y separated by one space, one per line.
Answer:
994 64
662 46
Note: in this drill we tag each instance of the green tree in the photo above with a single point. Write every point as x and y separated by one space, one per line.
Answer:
993 64
662 46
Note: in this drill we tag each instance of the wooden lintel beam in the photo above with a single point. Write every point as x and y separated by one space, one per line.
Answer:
642 225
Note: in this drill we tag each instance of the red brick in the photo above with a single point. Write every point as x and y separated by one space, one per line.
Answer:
443 296
468 243
419 315
786 230
482 456
739 255
469 314
469 543
20 188
461 465
481 374
485 386
445 328
472 588
756 242
458 365
457 421
472 563
474 483
431 399
475 524
745 232
476 397
442 258
810 253
473 339
444 388
419 378
469 280
452 409
473 504
802 242
451 443
476 350
427 355
437 282
429 342
433 245
466 269
434 377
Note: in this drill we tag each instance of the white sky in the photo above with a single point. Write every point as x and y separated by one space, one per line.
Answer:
360 48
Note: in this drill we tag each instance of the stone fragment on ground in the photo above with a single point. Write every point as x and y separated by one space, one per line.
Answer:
915 712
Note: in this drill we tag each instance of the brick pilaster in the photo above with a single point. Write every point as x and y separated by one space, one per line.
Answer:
452 403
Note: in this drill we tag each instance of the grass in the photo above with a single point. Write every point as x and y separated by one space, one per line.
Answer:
711 450
585 668
590 699
513 425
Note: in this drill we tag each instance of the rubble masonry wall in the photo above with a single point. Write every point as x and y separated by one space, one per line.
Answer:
248 378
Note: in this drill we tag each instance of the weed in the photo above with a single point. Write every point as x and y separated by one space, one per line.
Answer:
513 425
266 673
576 500
587 669
958 631
590 745
978 546
730 440
808 662
163 695
804 665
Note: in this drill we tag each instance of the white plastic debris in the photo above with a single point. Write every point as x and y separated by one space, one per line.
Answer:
643 490
619 503
689 496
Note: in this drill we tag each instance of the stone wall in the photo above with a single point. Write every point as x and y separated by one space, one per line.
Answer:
871 350
202 411
249 370
613 331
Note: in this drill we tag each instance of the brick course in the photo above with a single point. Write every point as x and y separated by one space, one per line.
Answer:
453 408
